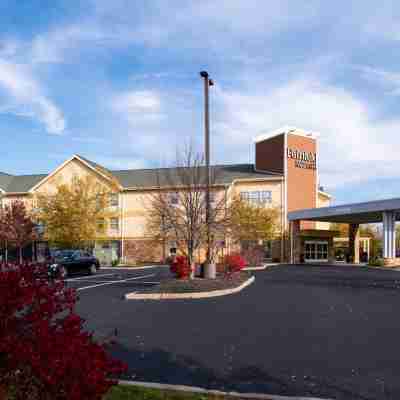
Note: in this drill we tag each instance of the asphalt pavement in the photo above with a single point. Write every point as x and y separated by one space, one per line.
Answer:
320 331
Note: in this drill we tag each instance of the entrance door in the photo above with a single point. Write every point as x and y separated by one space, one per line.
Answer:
315 251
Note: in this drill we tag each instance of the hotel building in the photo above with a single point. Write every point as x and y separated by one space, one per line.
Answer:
284 175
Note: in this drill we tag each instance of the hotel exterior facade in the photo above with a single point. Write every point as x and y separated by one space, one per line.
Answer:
284 175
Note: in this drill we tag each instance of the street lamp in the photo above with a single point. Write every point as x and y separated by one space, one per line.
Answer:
207 83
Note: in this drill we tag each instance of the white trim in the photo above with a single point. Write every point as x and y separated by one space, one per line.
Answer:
285 130
221 185
74 157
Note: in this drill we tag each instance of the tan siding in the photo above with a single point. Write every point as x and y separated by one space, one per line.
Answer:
323 201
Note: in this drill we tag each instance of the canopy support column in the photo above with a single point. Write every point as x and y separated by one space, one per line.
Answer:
389 237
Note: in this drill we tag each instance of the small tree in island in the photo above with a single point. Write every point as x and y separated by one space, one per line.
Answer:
70 216
252 223
176 211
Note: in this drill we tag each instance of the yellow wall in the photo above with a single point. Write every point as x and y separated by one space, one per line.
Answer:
323 201
275 186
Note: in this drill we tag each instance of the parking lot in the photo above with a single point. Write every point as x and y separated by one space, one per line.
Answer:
329 332
116 279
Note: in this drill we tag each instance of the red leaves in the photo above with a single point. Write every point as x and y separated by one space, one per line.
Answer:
43 348
180 266
16 226
234 262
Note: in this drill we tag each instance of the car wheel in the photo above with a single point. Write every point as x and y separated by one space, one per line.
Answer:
92 269
62 272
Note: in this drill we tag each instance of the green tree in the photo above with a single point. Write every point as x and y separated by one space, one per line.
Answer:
70 216
252 222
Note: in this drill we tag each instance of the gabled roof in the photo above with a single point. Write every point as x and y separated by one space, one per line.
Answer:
137 178
92 165
23 183
5 179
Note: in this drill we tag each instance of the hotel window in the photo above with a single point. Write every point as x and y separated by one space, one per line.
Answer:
100 224
113 200
257 196
173 199
114 224
213 197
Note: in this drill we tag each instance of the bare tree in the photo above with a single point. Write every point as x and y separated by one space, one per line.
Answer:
176 210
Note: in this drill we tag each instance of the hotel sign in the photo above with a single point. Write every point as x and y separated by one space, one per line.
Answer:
303 159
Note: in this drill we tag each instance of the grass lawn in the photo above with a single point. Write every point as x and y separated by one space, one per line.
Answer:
127 392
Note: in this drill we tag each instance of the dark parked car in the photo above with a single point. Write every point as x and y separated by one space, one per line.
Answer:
65 262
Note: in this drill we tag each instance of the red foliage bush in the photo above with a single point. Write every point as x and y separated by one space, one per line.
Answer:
44 352
254 255
234 262
180 267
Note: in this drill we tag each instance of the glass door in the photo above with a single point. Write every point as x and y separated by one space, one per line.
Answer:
316 251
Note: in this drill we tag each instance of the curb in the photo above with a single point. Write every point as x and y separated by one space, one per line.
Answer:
395 269
194 389
262 268
193 295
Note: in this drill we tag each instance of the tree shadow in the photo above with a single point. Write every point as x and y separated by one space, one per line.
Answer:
160 366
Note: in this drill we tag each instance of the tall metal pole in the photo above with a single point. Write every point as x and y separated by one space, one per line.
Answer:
207 83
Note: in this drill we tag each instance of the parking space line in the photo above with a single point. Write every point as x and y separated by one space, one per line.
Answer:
121 281
113 282
88 277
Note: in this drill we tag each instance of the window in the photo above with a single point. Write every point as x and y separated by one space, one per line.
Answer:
257 196
100 225
99 202
114 224
213 197
113 200
173 199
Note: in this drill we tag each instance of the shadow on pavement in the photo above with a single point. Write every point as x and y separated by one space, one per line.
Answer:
160 366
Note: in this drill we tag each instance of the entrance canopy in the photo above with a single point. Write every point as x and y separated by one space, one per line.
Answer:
386 211
357 213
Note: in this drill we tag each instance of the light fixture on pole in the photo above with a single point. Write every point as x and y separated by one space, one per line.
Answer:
207 83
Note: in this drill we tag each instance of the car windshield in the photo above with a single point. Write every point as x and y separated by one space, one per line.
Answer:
62 254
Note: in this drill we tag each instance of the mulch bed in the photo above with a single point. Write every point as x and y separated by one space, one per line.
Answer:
198 284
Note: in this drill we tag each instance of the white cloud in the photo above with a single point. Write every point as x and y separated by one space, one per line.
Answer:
25 97
119 163
138 106
353 145
54 45
162 24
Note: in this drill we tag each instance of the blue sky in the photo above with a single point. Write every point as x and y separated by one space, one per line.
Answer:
117 81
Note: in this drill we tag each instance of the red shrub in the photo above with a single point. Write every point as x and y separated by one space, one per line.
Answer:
44 352
234 262
180 267
254 255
